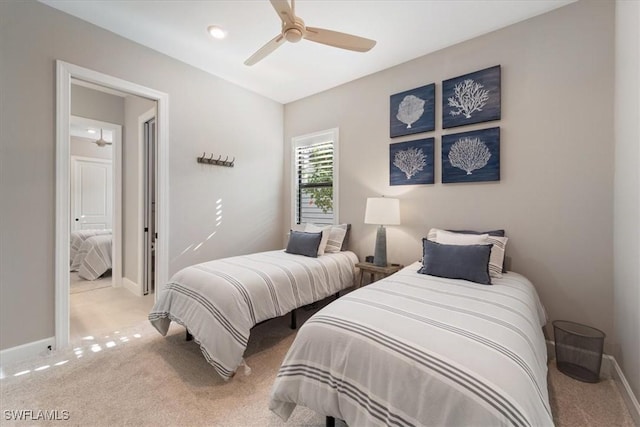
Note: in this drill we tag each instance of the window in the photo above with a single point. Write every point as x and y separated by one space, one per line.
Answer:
315 170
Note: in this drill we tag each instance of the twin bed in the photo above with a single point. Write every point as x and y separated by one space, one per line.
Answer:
91 253
220 301
414 349
411 349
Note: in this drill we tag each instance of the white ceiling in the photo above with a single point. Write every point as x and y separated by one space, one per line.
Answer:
404 30
89 132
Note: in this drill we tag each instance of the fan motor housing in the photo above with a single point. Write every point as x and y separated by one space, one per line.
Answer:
293 35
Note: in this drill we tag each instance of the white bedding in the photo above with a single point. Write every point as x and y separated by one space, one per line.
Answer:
77 239
95 257
414 349
220 301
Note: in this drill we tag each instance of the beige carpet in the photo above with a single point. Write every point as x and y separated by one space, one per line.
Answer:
78 285
106 309
137 377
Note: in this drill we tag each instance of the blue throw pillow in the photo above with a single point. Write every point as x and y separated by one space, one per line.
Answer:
301 243
468 262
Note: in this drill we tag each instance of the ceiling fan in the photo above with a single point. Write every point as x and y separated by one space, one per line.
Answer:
101 142
293 30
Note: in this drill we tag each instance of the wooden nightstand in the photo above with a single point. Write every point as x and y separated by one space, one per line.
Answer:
373 271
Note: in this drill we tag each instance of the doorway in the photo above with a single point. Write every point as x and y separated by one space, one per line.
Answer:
65 73
95 149
95 238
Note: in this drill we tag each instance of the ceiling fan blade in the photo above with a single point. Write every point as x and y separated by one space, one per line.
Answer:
338 39
284 11
265 50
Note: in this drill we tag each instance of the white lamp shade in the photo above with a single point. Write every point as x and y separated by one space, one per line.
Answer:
382 211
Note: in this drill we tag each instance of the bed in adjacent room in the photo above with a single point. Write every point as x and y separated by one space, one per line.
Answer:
445 341
77 239
94 258
220 301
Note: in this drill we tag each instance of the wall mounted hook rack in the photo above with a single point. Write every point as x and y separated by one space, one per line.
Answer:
218 162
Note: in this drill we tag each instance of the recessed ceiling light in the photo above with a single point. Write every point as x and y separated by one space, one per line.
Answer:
91 130
217 32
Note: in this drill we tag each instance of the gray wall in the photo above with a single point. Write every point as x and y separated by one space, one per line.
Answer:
206 114
96 105
555 194
627 191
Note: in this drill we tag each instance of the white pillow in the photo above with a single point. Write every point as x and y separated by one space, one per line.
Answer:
496 259
336 238
449 238
311 228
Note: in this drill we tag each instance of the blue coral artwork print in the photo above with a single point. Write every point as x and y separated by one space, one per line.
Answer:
471 98
413 111
411 162
471 156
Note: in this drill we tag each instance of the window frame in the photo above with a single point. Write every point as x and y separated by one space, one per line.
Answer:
306 140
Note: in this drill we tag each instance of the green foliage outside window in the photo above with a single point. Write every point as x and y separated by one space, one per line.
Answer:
322 197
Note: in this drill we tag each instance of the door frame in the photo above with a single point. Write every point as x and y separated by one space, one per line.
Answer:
142 119
64 73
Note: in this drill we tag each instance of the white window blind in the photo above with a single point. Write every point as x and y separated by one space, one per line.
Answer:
314 189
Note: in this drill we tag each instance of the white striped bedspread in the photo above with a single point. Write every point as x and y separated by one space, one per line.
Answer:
414 349
220 301
77 239
95 257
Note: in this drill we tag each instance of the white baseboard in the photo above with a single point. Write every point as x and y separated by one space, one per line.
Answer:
625 389
611 370
26 351
132 286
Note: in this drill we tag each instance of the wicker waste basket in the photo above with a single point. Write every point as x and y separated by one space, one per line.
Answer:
578 350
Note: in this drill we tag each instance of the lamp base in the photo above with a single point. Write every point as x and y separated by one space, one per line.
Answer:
380 254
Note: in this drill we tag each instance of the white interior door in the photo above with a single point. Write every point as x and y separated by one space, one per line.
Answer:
91 193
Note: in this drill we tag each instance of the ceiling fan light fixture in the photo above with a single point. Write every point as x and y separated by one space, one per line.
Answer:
293 30
217 32
293 35
101 142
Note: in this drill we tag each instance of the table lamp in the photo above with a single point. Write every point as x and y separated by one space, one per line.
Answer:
382 211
